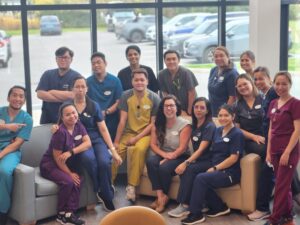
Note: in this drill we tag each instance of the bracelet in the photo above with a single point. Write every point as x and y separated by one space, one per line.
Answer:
72 152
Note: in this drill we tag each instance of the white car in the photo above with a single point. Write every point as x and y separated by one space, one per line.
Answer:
5 48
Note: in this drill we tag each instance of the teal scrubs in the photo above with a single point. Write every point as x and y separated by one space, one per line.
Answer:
10 161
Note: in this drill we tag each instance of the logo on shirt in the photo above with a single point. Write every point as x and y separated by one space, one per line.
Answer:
78 137
195 138
66 86
107 93
146 106
221 79
273 110
226 139
257 106
86 115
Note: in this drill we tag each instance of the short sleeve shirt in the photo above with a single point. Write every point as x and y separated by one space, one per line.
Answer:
282 120
106 92
224 146
221 87
203 133
7 136
183 82
51 80
172 137
267 98
139 113
125 76
64 141
250 119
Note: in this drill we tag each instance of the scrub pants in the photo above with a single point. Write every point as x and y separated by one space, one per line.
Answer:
112 121
188 177
7 166
68 193
136 158
161 175
97 161
204 191
253 147
283 204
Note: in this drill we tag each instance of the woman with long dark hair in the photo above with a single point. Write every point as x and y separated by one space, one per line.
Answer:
169 142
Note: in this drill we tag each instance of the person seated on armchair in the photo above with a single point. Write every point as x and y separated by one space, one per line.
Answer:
15 128
60 163
203 130
169 142
226 151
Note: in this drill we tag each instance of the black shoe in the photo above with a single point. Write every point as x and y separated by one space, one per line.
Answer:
193 219
213 213
3 218
108 205
69 218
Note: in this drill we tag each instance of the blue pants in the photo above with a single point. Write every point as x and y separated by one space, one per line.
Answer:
161 175
204 190
97 161
187 179
112 121
7 166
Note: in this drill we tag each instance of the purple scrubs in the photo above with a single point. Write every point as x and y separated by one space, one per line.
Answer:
68 194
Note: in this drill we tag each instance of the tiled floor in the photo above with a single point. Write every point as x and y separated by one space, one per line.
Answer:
94 217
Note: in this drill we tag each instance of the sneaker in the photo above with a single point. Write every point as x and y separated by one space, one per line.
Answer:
258 215
130 193
179 211
193 219
108 205
59 217
70 218
213 213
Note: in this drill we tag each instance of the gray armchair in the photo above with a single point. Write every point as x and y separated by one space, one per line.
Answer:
34 197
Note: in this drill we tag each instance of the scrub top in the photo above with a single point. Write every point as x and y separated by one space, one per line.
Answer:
220 87
283 123
223 147
203 133
250 119
267 98
139 112
6 136
51 80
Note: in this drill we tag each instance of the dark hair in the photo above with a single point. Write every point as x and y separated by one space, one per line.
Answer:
62 50
283 73
171 52
160 120
248 78
98 54
250 54
228 108
226 52
133 47
61 109
263 70
76 79
16 87
139 70
208 116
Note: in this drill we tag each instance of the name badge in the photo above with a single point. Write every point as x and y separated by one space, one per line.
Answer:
146 106
174 133
221 79
66 86
86 115
257 107
107 93
273 110
78 137
226 139
195 138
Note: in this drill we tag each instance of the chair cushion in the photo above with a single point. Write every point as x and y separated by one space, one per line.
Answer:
44 187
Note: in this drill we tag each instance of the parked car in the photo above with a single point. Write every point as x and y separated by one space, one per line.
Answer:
118 17
50 25
175 42
202 47
5 48
134 30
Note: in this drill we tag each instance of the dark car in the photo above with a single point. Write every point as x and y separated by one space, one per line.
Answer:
116 17
50 25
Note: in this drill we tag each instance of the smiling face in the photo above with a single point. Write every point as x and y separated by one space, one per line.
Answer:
246 63
262 81
220 58
133 57
99 66
172 62
16 99
170 109
80 88
244 87
282 85
139 82
69 116
225 118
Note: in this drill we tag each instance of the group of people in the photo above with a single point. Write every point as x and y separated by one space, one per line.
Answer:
107 117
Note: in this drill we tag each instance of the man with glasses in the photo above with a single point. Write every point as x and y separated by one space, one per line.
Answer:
178 81
54 85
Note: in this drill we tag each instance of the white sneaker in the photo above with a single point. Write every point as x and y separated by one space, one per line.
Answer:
179 211
130 193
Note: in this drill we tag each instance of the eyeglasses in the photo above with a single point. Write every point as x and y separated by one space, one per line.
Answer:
171 106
